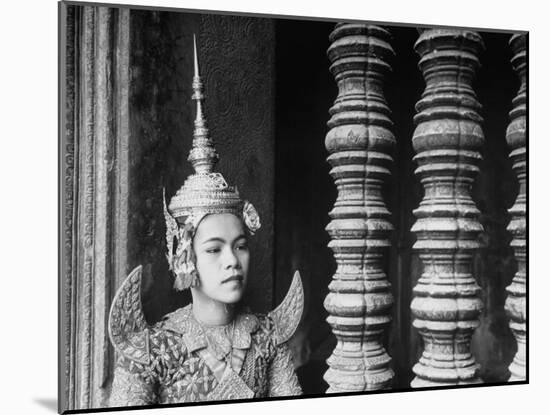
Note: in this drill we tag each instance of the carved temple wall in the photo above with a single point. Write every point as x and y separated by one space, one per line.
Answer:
94 179
361 206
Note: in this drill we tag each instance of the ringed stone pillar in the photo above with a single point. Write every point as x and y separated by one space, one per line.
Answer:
359 143
447 139
516 137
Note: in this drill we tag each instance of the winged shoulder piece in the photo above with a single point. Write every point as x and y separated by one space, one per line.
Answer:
288 314
128 329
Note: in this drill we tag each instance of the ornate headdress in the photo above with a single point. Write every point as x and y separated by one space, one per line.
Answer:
204 192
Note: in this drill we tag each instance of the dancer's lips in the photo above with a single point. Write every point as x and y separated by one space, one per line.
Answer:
236 277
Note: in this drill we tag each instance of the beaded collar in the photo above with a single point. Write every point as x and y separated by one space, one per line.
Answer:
196 336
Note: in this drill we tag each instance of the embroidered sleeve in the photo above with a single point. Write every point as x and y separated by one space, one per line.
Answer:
133 384
282 378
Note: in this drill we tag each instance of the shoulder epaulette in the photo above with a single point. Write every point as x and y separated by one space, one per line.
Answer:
288 314
128 330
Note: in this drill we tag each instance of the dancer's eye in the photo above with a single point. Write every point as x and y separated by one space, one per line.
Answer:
213 250
242 247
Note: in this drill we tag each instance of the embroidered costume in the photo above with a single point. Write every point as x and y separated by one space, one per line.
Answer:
179 359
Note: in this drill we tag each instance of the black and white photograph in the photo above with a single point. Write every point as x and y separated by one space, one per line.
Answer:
275 207
255 207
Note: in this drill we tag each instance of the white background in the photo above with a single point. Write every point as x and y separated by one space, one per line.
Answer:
28 175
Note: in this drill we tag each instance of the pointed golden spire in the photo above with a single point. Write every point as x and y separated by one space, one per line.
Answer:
196 60
203 155
203 193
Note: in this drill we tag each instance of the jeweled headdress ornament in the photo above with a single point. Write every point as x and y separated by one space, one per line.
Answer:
204 192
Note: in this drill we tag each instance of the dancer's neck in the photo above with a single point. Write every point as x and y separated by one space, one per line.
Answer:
212 312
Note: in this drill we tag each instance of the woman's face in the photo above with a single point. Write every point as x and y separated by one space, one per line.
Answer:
222 257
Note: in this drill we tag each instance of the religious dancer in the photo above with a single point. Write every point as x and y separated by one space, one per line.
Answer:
212 349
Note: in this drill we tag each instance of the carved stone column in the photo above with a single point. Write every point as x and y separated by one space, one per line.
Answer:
359 142
516 138
447 139
94 173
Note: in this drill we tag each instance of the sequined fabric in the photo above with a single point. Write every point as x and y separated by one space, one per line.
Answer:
189 363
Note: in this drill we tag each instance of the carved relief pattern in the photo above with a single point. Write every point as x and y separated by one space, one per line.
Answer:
85 306
222 44
447 139
104 231
359 143
516 137
69 179
239 106
91 178
122 129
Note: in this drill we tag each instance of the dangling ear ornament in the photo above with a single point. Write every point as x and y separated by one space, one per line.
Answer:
171 231
251 217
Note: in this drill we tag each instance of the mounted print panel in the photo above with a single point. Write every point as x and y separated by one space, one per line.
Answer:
259 207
